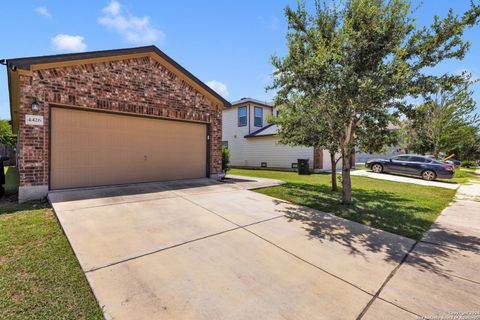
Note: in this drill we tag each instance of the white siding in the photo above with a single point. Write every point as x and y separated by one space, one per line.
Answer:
256 150
251 152
327 164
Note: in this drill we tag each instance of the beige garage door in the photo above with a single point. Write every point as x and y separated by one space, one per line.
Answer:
96 149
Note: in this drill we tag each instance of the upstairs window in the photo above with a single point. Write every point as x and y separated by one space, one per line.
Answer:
242 116
258 121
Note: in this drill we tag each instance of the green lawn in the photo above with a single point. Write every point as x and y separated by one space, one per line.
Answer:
40 277
462 176
405 209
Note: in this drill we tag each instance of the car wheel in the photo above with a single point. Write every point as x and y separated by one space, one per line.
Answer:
377 168
428 175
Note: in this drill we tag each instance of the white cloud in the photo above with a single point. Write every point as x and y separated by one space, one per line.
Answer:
134 29
65 42
43 11
219 87
113 8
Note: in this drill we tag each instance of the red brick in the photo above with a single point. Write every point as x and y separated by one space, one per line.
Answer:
135 86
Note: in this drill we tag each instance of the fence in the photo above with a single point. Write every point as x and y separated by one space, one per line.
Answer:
9 151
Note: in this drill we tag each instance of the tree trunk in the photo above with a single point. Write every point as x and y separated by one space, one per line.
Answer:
334 171
346 181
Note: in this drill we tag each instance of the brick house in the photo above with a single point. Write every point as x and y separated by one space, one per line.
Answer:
111 117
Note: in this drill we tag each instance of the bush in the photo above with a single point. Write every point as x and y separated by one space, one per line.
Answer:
225 159
468 163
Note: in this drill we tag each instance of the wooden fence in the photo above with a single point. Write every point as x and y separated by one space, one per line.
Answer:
9 151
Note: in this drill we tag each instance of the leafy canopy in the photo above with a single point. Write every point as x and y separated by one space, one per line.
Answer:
6 135
444 121
355 63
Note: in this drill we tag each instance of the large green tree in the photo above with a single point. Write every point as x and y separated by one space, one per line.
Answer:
468 148
364 57
299 125
443 121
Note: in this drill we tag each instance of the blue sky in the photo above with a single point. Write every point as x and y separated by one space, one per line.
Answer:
224 43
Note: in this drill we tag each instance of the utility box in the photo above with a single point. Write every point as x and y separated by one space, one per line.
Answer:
303 167
2 175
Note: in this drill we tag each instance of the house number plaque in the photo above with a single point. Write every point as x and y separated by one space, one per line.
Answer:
33 120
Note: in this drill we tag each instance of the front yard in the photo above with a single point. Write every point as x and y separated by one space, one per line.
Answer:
40 277
404 209
462 176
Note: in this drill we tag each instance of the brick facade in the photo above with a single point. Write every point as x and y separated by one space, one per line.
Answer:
133 86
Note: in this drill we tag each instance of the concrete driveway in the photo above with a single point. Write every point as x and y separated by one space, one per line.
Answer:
205 250
406 179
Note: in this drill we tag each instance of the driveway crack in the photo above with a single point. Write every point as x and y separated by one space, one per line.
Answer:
389 277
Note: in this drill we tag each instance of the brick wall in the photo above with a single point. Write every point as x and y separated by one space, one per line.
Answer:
136 86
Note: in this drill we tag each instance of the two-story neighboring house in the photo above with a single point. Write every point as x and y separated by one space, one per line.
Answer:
254 143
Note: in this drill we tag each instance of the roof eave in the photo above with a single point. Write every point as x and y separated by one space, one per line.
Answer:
27 63
260 135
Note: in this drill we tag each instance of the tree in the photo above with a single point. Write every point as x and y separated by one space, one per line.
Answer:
444 120
468 148
225 159
298 125
7 137
364 58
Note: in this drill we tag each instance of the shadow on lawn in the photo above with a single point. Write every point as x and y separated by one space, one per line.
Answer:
9 205
381 210
416 177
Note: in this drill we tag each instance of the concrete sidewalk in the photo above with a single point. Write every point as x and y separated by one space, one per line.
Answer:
405 179
439 277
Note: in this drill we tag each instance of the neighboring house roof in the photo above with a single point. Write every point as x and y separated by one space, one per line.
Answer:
251 100
26 66
266 131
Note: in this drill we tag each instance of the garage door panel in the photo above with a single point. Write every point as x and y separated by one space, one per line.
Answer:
92 149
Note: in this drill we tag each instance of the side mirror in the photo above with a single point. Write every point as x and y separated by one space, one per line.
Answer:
391 160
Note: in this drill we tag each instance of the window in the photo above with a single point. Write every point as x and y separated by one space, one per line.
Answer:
242 116
258 121
400 158
225 144
416 159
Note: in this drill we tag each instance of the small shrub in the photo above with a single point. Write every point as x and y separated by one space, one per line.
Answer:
225 159
468 163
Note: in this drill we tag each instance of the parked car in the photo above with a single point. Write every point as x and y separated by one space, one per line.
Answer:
455 162
410 164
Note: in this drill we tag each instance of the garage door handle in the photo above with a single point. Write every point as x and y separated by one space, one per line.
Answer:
145 157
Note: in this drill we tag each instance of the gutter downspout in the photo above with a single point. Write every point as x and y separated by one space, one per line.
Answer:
248 121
